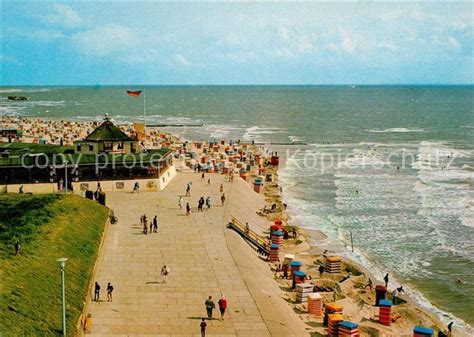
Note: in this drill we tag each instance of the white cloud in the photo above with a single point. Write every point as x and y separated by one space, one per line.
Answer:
8 59
43 35
240 56
283 33
453 42
231 39
180 59
105 40
347 42
305 44
388 45
46 35
63 15
282 53
142 56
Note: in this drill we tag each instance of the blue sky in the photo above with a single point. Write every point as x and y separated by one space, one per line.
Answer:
80 43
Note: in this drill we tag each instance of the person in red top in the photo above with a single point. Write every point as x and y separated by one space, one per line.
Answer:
222 306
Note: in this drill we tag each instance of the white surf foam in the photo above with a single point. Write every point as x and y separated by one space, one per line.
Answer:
261 133
396 130
387 191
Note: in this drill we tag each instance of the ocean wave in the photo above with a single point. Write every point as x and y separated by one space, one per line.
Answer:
219 131
387 192
259 132
337 145
34 104
10 111
12 90
295 139
396 130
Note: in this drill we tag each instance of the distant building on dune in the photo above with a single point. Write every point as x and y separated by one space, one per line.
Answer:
107 138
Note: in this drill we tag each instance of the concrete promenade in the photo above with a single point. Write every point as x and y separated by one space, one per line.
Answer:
196 249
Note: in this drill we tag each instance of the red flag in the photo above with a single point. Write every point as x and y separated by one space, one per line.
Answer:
134 93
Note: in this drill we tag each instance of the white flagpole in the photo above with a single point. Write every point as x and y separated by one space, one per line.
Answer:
144 112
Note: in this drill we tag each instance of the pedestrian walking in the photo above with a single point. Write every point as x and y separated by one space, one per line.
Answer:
188 209
209 307
96 292
222 199
202 176
321 270
110 289
155 224
165 271
151 227
200 204
209 181
188 190
180 202
450 329
386 279
203 327
136 187
221 189
17 248
208 202
285 271
222 306
145 225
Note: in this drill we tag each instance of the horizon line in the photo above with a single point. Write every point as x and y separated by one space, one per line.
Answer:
235 85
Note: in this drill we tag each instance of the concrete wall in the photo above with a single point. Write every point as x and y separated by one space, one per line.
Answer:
147 185
40 188
167 176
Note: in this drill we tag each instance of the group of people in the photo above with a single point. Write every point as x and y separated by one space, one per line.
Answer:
210 305
109 289
152 228
202 201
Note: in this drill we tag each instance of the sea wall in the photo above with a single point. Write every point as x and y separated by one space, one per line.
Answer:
39 188
79 187
147 185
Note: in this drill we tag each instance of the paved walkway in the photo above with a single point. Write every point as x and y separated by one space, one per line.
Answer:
195 249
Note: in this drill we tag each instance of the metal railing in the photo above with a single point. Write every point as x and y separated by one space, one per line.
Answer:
253 238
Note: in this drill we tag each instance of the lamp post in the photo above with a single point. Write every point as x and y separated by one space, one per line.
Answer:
65 172
62 264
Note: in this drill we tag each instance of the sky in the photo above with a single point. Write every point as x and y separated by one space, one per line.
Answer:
123 43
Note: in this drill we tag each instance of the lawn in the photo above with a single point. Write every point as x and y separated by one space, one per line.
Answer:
48 227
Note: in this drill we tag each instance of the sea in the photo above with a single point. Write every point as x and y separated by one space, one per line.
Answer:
391 166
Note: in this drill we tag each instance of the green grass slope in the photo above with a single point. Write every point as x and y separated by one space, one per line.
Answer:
48 227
